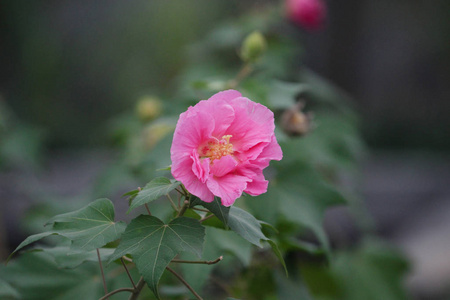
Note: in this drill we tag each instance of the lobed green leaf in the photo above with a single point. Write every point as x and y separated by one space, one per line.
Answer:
154 244
88 228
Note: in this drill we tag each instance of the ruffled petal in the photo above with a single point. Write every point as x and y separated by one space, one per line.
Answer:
253 124
271 152
258 185
193 128
182 171
200 167
223 166
228 187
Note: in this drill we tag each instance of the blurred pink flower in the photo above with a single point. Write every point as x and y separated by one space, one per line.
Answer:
309 14
221 145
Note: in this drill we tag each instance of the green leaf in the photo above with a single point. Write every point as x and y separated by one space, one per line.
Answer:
154 244
66 258
220 211
7 291
36 276
31 239
156 188
88 228
278 254
246 225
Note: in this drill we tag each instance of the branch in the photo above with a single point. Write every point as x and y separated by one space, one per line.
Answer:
115 292
137 290
183 208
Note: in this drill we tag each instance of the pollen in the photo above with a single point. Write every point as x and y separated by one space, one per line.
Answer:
217 149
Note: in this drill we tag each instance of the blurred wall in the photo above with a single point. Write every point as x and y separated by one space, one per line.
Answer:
70 65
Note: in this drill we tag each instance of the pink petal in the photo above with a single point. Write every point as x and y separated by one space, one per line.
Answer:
226 96
182 171
221 112
228 187
200 167
253 124
271 152
258 185
223 166
193 128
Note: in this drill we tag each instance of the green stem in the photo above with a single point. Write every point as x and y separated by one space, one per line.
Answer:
243 73
184 282
115 292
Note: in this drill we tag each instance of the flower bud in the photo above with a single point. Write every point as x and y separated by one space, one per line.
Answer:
253 47
148 108
309 14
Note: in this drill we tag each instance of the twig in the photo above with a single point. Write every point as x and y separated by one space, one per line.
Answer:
205 262
184 282
115 292
103 274
128 273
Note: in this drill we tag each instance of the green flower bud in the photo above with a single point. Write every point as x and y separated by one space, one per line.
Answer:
148 108
253 47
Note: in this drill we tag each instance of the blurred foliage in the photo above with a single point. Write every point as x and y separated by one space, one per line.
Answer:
286 222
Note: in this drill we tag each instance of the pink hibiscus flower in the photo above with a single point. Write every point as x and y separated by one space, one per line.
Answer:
221 146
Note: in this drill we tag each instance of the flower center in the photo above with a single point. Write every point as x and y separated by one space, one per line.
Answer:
216 149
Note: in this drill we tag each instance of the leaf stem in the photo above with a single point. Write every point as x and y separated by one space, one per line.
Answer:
103 274
201 209
206 218
172 203
128 273
115 292
205 262
184 282
137 290
148 209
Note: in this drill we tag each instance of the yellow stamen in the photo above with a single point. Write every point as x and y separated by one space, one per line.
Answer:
217 149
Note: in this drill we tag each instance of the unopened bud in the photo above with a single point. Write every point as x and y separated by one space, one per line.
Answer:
148 108
253 47
310 14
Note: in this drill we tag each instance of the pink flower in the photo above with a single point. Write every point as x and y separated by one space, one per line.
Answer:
309 14
221 146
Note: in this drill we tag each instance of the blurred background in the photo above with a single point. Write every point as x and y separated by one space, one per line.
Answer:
72 70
